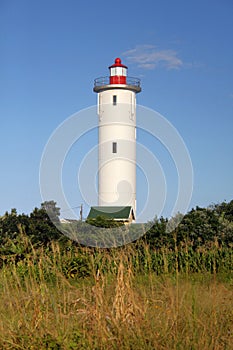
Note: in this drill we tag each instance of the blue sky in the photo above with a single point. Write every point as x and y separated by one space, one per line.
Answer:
51 51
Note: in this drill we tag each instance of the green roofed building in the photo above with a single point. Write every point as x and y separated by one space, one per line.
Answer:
117 213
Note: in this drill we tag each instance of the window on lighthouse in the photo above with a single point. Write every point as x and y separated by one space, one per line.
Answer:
114 100
114 147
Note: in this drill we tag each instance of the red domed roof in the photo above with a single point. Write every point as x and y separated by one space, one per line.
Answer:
117 63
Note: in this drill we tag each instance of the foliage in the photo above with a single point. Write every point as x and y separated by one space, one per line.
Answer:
41 228
38 225
167 290
102 221
52 210
225 209
199 226
133 297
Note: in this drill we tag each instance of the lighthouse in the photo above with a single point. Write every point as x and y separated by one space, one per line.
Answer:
116 111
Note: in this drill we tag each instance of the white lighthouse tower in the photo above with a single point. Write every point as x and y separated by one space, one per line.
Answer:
117 139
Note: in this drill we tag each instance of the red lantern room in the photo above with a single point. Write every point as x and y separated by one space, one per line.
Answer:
118 79
118 72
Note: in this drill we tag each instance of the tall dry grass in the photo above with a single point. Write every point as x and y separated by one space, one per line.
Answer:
116 305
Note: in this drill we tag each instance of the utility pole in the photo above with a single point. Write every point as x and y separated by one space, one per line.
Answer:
81 212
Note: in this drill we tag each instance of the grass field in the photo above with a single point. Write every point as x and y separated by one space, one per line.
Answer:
82 298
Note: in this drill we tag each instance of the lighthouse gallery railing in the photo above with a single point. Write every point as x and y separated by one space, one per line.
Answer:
105 81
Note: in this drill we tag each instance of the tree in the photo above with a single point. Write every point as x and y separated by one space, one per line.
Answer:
157 236
199 226
225 209
43 221
52 210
